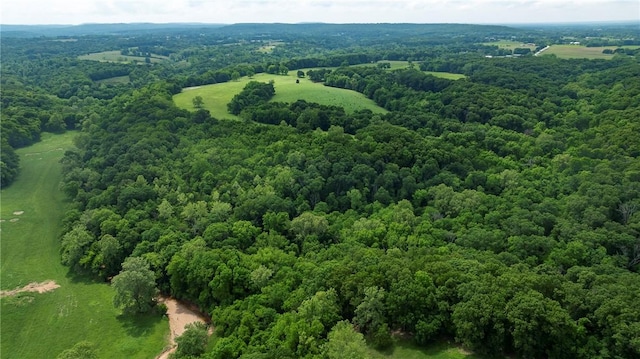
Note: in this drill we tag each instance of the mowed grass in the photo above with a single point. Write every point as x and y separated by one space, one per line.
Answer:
217 96
407 350
579 52
43 325
116 56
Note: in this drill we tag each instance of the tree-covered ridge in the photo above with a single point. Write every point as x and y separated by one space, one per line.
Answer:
501 214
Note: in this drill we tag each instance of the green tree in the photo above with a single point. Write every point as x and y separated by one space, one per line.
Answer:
345 342
198 102
74 244
193 341
135 286
9 163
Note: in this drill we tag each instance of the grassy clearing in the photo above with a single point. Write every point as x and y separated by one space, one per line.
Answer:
42 325
407 350
216 97
115 80
578 52
446 75
269 46
116 56
508 44
395 65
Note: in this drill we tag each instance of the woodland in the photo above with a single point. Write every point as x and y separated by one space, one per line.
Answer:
498 211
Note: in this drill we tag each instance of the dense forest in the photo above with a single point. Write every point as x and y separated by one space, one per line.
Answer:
498 211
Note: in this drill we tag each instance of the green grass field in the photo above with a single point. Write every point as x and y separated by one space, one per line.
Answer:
395 65
406 350
578 52
446 75
115 80
42 325
116 56
216 97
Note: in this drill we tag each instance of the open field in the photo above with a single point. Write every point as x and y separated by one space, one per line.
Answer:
116 56
508 44
406 350
446 75
115 80
41 325
217 96
269 46
404 64
579 52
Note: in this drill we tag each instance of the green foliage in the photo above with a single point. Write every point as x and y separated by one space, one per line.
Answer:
193 341
253 94
344 342
135 286
81 350
496 210
9 164
81 308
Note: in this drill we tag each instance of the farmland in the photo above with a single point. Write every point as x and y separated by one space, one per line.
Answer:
578 51
116 56
216 97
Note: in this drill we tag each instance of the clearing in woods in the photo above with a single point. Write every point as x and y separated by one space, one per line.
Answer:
581 51
41 325
217 96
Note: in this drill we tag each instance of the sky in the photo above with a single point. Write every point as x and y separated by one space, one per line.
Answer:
331 11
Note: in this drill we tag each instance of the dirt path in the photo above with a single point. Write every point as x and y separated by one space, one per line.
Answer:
179 316
31 287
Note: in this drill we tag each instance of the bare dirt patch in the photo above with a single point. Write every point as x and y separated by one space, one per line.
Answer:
179 316
31 287
18 213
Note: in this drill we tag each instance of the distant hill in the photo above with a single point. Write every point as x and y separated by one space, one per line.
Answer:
98 29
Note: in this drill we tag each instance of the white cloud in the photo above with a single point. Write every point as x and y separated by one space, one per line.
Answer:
216 11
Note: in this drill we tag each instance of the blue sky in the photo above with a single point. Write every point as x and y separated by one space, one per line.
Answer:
334 11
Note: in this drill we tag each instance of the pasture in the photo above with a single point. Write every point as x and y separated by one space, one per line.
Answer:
116 56
395 65
407 350
217 96
579 52
41 325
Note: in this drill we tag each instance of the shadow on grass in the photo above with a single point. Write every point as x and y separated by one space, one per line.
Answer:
138 325
77 277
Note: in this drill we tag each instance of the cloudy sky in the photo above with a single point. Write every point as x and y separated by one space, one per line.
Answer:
334 11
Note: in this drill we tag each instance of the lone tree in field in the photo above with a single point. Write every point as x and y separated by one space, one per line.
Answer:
198 102
135 286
